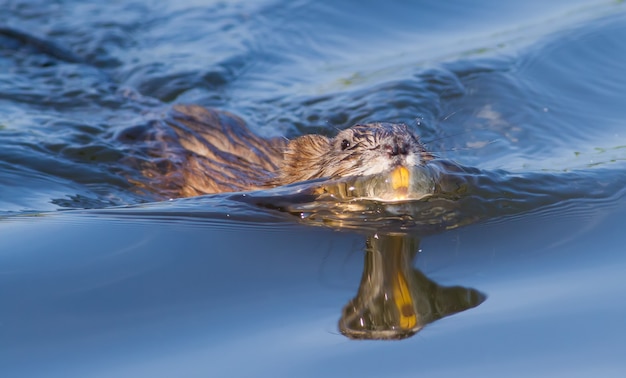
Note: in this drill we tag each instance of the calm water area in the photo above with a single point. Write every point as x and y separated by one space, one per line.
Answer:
523 273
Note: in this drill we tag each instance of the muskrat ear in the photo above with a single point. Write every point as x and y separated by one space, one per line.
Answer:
309 145
304 159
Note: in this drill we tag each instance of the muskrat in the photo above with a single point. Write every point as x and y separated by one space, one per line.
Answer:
212 151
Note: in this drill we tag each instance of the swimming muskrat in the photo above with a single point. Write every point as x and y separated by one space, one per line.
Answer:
203 151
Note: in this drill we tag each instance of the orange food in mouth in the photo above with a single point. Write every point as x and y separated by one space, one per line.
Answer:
400 178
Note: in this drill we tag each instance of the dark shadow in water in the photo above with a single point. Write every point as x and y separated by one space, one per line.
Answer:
396 300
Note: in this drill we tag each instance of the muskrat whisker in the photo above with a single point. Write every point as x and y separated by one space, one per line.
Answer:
446 136
464 148
448 116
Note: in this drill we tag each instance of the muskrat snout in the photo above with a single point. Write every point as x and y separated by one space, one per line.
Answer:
397 147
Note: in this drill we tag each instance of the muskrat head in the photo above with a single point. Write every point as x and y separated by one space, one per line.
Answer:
359 150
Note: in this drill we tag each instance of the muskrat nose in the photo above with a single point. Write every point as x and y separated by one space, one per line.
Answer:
397 148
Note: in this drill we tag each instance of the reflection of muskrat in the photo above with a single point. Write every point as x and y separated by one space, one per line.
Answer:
213 151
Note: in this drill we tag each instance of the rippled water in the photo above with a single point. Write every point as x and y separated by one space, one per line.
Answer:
526 99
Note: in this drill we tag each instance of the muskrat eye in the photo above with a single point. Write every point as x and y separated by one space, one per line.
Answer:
345 144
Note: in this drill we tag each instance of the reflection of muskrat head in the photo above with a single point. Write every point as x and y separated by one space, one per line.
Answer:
359 150
201 151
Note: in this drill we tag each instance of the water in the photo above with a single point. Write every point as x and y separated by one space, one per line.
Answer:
98 279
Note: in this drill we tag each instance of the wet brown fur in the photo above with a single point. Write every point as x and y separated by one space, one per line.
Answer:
212 151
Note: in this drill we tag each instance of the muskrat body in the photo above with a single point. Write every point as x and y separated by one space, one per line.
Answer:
204 151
